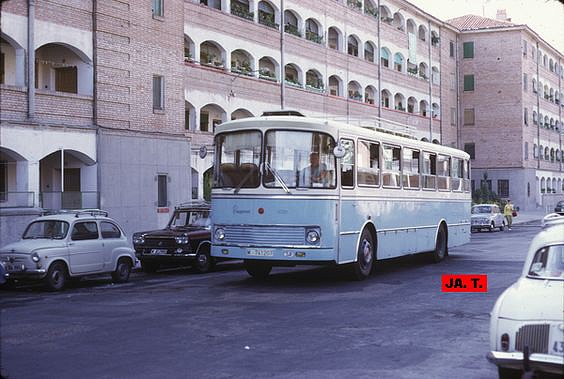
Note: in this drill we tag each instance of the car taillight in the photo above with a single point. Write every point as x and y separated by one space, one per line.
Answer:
505 342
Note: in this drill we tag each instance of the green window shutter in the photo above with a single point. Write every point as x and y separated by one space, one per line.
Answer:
468 82
468 48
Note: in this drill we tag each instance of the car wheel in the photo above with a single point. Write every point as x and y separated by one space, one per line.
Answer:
149 267
508 373
123 269
362 268
440 251
492 226
56 276
258 269
502 226
204 261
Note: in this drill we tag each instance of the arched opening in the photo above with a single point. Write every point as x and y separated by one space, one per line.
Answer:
12 64
267 14
293 75
399 102
241 8
370 8
399 21
434 38
212 54
385 98
369 49
385 57
354 91
211 115
314 80
411 104
268 69
334 38
422 33
71 187
398 62
352 45
370 95
240 113
63 68
436 75
423 71
189 116
436 110
242 62
291 23
411 27
313 31
335 86
215 4
14 191
189 48
423 108
386 15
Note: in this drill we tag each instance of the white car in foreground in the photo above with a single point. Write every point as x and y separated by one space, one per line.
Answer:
527 320
68 245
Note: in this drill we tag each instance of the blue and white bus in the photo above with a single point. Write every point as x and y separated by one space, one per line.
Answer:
292 190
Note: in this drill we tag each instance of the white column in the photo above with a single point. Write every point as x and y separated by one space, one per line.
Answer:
254 8
20 67
33 181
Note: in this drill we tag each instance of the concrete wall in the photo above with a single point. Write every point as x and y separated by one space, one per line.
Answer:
14 222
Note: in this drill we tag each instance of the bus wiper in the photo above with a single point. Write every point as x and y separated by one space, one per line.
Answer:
243 181
277 176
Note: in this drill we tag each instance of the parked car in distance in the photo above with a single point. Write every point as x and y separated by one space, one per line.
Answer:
184 241
69 244
526 320
559 207
486 216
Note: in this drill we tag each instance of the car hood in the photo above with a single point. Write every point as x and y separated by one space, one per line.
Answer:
174 232
533 299
29 245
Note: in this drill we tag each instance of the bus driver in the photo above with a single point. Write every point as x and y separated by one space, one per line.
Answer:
315 173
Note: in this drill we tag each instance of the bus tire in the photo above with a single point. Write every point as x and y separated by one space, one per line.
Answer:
258 269
362 268
440 251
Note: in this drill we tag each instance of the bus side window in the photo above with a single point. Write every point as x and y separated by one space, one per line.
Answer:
368 170
429 170
391 169
347 164
443 172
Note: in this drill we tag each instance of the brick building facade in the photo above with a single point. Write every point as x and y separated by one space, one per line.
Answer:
126 93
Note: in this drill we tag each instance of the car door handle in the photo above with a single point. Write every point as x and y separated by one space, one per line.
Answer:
71 243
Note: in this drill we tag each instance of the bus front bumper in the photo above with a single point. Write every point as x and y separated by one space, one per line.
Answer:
298 255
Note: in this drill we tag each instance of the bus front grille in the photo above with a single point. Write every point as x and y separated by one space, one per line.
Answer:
533 336
265 235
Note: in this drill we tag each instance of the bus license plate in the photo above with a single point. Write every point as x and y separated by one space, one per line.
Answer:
260 252
158 251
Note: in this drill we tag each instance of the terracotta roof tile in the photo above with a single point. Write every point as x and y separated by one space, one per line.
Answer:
473 22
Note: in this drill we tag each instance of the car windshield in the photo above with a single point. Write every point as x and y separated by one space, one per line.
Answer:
50 229
548 263
299 159
481 209
192 218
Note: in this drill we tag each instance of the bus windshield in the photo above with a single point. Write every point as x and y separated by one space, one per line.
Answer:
299 159
237 160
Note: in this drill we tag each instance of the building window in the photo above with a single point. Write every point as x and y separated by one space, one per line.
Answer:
66 79
524 82
2 60
3 180
162 190
469 82
487 184
524 48
158 8
526 151
204 121
158 92
469 118
503 188
526 116
451 49
453 116
470 148
187 119
468 49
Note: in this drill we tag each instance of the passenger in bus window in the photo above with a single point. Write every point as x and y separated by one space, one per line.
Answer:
314 175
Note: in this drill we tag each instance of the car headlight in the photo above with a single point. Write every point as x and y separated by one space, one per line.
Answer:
35 257
138 240
313 236
181 240
219 234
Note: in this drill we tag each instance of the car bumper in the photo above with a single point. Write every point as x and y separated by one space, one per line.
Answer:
539 362
291 256
26 274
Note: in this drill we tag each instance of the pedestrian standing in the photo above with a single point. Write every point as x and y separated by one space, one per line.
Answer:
508 213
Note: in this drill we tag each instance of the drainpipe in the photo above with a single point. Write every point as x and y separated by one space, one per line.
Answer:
31 59
442 110
282 68
95 97
460 112
429 44
538 108
379 97
62 171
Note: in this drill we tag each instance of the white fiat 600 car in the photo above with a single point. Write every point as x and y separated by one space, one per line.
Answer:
486 216
527 321
67 245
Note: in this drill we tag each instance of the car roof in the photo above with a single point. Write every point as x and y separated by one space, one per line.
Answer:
70 215
553 234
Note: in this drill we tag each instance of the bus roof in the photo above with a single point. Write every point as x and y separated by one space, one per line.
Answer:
338 129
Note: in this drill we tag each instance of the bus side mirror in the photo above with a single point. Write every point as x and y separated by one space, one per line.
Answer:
339 151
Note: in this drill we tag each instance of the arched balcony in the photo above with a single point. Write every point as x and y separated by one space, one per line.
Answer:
313 31
423 71
314 80
14 189
352 45
214 4
399 62
436 110
335 85
411 105
436 75
268 14
241 113
268 69
370 95
292 23
334 38
190 119
370 8
242 63
399 21
385 98
13 62
354 91
434 38
399 102
422 33
189 49
411 27
63 68
386 15
423 108
293 75
242 8
369 49
211 115
385 57
212 55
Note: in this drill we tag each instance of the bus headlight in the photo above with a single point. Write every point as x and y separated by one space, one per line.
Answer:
219 234
313 236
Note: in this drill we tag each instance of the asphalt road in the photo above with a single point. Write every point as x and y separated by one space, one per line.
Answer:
302 323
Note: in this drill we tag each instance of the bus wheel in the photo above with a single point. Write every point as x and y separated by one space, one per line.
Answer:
258 269
365 257
440 251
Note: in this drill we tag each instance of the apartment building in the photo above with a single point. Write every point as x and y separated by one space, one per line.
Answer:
113 103
511 110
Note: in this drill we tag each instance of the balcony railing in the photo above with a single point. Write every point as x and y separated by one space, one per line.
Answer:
267 19
69 200
355 4
17 199
292 29
314 37
242 12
